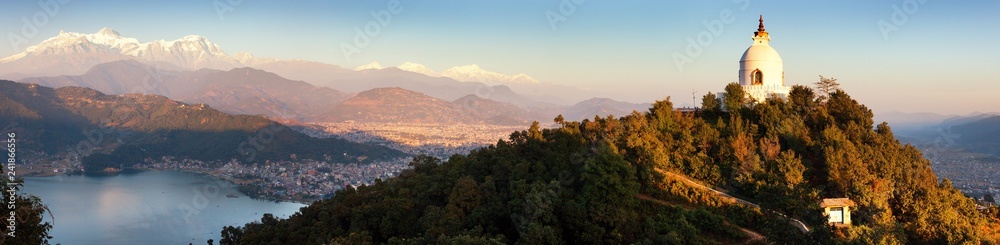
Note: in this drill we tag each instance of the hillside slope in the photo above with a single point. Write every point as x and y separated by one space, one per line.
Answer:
123 129
239 91
981 135
590 182
397 105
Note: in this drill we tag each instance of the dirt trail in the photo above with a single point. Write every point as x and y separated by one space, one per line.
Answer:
753 237
794 222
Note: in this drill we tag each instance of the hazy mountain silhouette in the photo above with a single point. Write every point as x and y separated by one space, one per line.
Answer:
60 120
602 107
240 90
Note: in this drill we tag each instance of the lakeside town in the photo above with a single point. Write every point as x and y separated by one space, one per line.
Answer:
438 140
974 174
308 180
302 181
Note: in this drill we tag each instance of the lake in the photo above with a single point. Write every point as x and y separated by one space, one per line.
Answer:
146 207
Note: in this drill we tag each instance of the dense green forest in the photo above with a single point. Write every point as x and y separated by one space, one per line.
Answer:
609 181
120 130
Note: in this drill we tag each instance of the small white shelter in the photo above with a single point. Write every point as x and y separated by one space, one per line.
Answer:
837 210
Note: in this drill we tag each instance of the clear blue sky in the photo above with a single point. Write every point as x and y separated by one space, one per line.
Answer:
943 58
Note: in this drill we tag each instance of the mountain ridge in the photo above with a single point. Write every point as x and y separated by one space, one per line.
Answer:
394 104
190 52
621 180
464 73
158 126
72 53
239 90
195 70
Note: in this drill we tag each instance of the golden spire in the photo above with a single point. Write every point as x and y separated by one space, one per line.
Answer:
760 27
760 36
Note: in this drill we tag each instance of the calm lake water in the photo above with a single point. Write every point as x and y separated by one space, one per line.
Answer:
146 207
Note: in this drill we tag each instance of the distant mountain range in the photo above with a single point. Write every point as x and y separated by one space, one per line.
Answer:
398 105
587 109
401 105
979 135
117 128
977 132
251 91
240 90
192 69
71 53
467 79
467 73
917 121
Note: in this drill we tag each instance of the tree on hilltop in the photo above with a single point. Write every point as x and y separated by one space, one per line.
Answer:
826 86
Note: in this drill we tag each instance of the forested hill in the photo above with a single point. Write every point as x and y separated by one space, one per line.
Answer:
605 181
123 129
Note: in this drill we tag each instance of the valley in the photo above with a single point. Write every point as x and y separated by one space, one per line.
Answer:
308 180
976 174
453 142
962 149
438 140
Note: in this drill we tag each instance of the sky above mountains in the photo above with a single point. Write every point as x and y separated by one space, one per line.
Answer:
916 56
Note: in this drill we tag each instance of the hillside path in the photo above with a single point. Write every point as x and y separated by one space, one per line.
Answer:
794 222
754 237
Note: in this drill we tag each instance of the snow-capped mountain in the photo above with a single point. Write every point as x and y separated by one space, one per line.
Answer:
418 68
75 53
466 73
374 65
247 59
473 73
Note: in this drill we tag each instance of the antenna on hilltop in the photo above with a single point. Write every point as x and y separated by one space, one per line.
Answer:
692 99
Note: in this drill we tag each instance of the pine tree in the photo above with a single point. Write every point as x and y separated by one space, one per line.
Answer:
826 86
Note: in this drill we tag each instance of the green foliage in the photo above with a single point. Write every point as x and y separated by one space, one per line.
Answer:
622 181
28 213
735 97
710 107
826 86
710 103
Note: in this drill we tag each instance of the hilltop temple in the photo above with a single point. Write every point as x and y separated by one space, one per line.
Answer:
761 71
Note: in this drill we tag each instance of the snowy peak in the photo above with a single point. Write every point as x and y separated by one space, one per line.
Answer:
193 38
467 69
418 68
473 73
80 51
248 59
104 37
522 78
466 73
243 56
374 65
107 32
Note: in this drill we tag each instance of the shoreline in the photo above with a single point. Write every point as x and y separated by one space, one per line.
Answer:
241 185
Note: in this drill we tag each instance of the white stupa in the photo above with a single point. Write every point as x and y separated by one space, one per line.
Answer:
761 71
